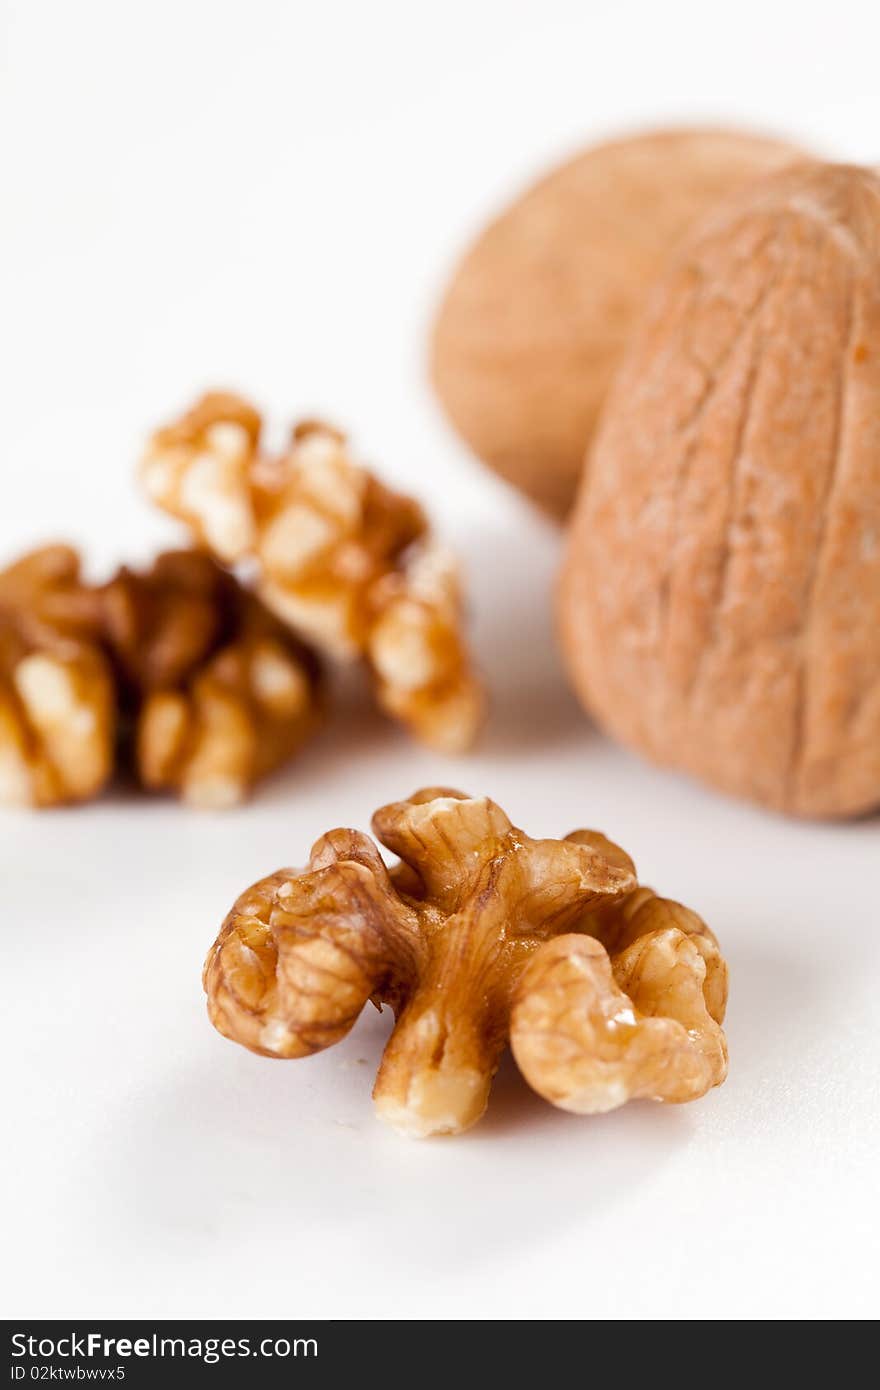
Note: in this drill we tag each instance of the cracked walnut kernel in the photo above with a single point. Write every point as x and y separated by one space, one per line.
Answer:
220 692
340 558
480 935
176 671
57 700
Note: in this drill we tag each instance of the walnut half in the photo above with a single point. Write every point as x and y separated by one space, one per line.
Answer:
217 691
479 935
57 695
176 673
343 560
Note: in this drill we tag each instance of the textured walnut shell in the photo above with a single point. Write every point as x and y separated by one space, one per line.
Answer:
537 315
720 602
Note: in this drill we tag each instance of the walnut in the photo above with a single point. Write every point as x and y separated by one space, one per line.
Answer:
539 311
57 699
414 648
178 673
197 468
720 601
632 1010
473 938
220 692
341 559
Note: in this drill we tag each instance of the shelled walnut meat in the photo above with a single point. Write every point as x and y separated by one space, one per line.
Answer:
57 696
538 314
218 691
178 673
720 603
477 937
345 562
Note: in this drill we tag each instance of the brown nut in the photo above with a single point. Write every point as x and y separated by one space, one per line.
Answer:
57 701
218 691
537 315
197 469
342 560
161 623
178 671
634 1011
720 603
420 665
445 937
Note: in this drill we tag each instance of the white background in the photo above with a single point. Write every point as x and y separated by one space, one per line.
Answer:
268 195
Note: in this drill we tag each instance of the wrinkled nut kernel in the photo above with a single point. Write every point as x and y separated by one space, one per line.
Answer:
221 692
415 651
56 727
197 468
57 701
340 558
177 671
161 623
45 599
479 935
632 1010
241 716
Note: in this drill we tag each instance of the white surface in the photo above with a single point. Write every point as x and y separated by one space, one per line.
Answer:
267 195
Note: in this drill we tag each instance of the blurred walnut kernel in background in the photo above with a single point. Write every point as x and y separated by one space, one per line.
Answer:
57 693
219 693
345 562
176 675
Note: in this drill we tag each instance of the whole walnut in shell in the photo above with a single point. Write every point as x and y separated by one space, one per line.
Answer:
538 313
720 602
